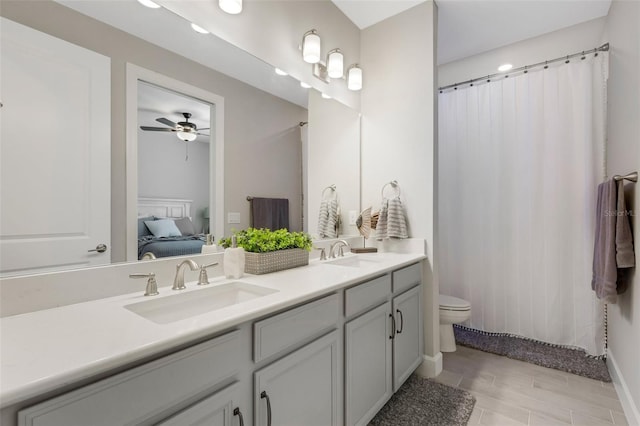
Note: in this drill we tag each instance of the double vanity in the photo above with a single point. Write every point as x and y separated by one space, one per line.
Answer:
324 344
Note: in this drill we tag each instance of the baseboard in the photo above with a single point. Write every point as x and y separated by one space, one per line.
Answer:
628 405
431 366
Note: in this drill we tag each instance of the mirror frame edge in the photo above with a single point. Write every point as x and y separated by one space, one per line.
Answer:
135 73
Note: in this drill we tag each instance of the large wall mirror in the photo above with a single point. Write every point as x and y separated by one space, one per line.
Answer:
259 147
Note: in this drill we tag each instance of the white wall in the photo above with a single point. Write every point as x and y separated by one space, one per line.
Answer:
623 156
261 133
398 128
584 36
333 159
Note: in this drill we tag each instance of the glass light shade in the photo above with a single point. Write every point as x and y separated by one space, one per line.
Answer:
311 47
198 29
149 3
232 7
187 136
335 63
354 78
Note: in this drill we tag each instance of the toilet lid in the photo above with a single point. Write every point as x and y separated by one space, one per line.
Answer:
453 303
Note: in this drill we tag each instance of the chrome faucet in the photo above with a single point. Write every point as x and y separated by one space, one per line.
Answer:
339 244
203 278
178 281
152 285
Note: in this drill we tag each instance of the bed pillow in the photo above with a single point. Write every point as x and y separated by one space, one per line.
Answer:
163 228
185 226
143 231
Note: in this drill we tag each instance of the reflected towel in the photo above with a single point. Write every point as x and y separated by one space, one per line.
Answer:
391 221
270 213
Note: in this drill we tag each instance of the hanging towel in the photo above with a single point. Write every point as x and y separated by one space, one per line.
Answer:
270 213
391 221
328 219
613 246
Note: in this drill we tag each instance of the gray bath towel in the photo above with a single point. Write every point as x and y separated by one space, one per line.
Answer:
391 221
270 213
607 242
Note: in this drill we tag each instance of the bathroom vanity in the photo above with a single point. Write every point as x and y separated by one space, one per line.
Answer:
325 344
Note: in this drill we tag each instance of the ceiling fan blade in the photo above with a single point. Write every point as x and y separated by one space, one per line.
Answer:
157 129
166 121
204 128
201 134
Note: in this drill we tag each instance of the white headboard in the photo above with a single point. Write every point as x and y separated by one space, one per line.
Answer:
164 207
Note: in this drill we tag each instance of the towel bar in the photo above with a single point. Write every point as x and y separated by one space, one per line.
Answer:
632 177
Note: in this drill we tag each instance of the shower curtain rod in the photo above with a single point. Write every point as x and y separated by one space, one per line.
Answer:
603 48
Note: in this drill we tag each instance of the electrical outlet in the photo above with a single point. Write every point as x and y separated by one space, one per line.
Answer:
353 216
233 217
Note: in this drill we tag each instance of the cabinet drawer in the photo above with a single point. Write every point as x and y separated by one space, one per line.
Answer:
135 395
282 331
406 278
366 295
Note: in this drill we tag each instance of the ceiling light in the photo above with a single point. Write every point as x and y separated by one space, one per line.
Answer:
335 63
505 67
232 7
311 47
198 29
149 3
187 136
325 96
354 77
280 72
305 85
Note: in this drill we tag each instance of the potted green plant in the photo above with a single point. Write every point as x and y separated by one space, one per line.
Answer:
270 251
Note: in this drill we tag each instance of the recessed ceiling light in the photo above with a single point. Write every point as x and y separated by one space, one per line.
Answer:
149 3
324 95
305 85
280 72
232 7
505 67
198 29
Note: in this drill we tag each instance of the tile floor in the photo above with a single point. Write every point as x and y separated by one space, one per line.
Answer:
511 392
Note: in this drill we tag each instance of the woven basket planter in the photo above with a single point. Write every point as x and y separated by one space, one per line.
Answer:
264 263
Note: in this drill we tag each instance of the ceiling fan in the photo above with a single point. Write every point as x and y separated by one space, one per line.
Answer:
185 130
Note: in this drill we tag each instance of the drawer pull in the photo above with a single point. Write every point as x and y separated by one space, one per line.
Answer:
401 321
393 326
264 395
236 412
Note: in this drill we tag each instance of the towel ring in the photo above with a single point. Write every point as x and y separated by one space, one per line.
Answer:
394 185
330 187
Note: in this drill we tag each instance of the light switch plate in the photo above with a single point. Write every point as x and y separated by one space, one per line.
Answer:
353 216
233 217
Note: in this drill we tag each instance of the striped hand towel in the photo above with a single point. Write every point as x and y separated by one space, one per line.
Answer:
328 219
391 222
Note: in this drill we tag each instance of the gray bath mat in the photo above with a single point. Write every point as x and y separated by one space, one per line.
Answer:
422 402
575 361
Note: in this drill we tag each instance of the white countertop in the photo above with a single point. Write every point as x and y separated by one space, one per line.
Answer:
43 350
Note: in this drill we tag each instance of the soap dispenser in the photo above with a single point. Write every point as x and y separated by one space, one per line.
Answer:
234 260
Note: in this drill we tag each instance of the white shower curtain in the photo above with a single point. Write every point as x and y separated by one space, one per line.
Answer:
520 159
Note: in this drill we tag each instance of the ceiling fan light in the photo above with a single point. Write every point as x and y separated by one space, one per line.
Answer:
335 63
354 77
187 136
232 7
149 3
311 47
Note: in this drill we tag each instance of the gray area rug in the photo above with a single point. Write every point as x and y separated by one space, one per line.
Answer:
575 361
421 401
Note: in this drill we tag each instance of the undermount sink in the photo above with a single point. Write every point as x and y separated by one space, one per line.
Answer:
186 305
354 261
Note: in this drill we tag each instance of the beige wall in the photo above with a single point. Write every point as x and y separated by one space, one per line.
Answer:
398 127
261 133
623 156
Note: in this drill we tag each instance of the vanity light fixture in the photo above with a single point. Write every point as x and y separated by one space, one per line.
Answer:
354 77
232 7
505 67
149 4
305 85
198 29
311 47
335 63
280 72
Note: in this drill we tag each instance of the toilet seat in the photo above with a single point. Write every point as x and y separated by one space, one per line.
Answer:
450 303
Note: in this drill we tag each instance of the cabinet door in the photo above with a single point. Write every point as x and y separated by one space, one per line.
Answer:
219 409
303 388
407 343
368 364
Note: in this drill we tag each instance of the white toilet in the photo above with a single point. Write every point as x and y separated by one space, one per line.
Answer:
452 311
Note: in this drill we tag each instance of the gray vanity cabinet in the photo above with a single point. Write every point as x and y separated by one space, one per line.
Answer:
407 340
302 388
